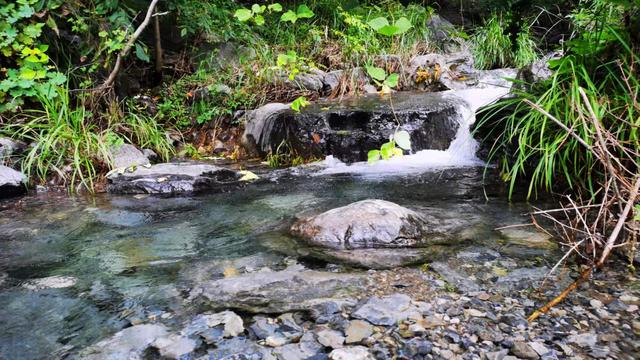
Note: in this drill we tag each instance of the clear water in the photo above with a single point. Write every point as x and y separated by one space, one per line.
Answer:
130 255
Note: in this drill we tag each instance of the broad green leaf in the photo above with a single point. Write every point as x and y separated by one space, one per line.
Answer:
259 19
373 156
386 150
376 73
275 7
299 103
304 12
378 23
392 80
403 24
402 139
243 14
397 152
289 16
57 78
141 53
388 30
258 9
28 74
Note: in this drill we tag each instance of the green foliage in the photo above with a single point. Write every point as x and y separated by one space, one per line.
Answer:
525 52
255 13
303 12
299 103
398 141
29 73
381 79
492 46
383 27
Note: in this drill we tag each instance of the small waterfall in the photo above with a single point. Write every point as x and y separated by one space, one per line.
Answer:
461 151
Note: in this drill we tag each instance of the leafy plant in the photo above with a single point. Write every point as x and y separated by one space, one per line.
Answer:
303 12
255 13
381 79
383 27
492 46
398 141
299 103
525 52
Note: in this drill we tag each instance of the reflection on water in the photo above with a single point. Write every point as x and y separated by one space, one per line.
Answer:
129 255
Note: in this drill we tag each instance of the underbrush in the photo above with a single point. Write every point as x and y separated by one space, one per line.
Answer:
493 46
70 146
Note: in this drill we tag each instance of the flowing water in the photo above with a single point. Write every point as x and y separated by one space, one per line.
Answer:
108 261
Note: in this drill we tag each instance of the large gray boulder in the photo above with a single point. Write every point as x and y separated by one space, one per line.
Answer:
349 128
369 224
12 182
173 178
292 289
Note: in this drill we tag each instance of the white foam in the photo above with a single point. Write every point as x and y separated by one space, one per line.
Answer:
461 151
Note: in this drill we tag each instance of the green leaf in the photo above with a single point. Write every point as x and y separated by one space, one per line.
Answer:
386 150
373 156
141 53
259 19
403 24
28 74
258 9
403 139
57 78
392 80
243 14
389 30
396 152
289 16
378 23
637 216
304 12
376 73
276 7
299 103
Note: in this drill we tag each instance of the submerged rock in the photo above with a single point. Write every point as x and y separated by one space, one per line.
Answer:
12 182
349 128
51 282
368 224
294 288
173 178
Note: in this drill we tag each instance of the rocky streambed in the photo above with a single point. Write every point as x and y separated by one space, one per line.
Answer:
300 266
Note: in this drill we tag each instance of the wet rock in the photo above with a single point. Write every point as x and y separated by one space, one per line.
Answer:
9 148
174 178
349 128
127 155
174 346
440 32
294 288
528 237
312 81
368 224
351 353
332 80
51 282
522 350
239 349
264 327
453 277
331 338
586 340
232 324
539 70
523 277
129 343
357 330
150 154
12 182
388 310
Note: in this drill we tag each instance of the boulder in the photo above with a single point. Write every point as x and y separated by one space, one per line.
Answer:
292 289
127 155
368 224
12 182
332 80
129 343
349 128
173 178
539 70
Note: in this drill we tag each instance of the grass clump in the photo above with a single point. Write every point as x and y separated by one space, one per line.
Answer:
493 46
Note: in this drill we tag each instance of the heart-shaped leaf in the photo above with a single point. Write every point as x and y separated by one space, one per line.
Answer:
402 139
275 7
304 12
243 14
403 24
373 156
392 80
378 23
376 73
289 16
389 30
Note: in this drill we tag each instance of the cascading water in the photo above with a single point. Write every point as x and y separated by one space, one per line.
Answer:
460 153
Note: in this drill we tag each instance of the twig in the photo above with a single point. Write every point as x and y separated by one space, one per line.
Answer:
563 126
127 48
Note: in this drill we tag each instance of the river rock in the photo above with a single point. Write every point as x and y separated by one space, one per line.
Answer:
357 330
129 343
8 148
12 182
388 310
232 324
349 128
127 155
331 338
528 237
174 346
351 353
173 178
294 288
332 80
368 224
